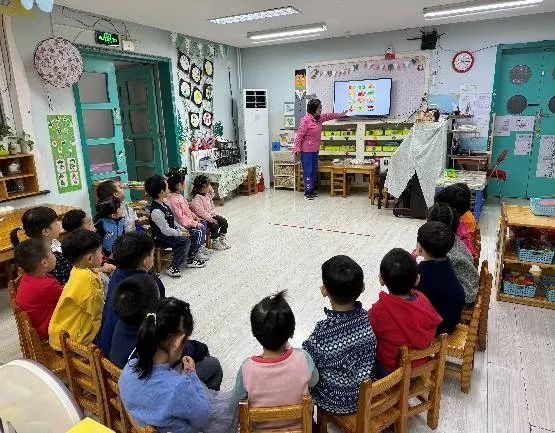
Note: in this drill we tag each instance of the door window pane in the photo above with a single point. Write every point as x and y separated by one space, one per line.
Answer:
143 173
93 87
139 121
137 92
102 158
98 123
143 150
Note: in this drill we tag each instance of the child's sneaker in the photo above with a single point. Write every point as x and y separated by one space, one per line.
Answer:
194 263
206 251
172 271
200 256
217 245
224 243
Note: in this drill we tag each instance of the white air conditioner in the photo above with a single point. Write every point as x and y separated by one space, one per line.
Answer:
255 130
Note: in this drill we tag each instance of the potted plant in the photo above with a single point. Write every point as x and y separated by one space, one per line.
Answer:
26 143
5 131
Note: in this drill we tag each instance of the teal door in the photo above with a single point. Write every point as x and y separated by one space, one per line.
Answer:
524 85
141 128
99 117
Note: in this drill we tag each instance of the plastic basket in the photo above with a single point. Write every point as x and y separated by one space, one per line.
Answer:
534 256
519 289
543 206
548 285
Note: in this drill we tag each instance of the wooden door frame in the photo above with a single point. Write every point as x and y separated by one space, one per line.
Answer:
167 96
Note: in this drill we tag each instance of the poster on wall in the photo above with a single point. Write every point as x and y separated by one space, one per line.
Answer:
523 144
300 95
546 157
64 152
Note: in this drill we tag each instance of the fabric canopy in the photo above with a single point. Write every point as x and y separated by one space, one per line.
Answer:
423 152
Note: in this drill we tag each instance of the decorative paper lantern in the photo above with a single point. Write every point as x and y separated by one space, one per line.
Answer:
58 62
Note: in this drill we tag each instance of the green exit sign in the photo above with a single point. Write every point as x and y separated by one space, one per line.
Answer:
107 38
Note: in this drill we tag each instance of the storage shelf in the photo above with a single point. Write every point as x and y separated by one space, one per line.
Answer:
339 138
385 137
24 194
378 153
536 301
16 176
336 152
511 257
17 155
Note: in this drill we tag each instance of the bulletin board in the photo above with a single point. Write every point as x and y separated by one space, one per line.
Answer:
409 73
64 152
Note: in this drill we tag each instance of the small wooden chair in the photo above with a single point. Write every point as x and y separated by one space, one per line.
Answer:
477 242
426 380
82 376
249 187
461 344
162 255
380 404
300 178
32 347
257 415
116 416
339 182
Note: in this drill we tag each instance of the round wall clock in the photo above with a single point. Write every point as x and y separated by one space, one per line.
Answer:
463 61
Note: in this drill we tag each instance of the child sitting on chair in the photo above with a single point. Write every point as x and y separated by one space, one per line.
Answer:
437 278
38 292
166 232
109 222
343 345
280 375
79 309
113 188
77 219
402 316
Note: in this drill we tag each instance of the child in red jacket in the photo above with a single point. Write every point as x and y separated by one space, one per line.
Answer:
402 317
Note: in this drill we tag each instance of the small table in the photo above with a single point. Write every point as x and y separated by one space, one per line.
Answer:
476 181
368 169
228 178
12 220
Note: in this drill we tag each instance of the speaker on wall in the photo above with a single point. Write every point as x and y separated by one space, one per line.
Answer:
429 41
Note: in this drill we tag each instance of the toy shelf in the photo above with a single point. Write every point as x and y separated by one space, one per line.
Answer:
520 216
21 184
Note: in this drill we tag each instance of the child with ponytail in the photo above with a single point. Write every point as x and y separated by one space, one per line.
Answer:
42 222
160 388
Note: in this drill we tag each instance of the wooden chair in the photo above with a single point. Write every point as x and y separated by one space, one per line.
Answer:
339 182
426 380
300 178
116 416
249 187
162 255
82 376
380 404
461 344
299 412
32 347
477 242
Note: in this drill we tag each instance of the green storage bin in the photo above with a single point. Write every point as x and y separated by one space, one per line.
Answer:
389 148
373 148
375 132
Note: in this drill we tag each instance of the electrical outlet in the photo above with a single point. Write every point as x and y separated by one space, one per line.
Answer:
128 45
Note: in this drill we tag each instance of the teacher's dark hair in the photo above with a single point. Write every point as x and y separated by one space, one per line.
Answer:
312 106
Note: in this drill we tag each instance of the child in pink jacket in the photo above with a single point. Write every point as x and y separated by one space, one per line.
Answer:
185 216
203 206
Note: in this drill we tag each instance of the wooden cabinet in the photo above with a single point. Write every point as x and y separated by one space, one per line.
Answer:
21 184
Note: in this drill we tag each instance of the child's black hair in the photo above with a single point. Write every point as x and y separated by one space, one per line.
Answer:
106 189
399 271
107 207
80 242
436 239
155 185
445 214
343 279
273 321
134 297
130 249
169 317
29 253
33 222
200 181
73 219
457 196
174 177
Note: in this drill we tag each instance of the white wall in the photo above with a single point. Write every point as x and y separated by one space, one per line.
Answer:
273 67
29 31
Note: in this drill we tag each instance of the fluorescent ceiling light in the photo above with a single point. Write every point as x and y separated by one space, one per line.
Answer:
267 41
475 7
287 31
260 15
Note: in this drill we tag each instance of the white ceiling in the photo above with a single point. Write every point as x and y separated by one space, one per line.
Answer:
342 17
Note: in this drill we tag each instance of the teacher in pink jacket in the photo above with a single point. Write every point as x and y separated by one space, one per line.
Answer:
307 142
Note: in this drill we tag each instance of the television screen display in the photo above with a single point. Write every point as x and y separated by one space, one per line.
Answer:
363 98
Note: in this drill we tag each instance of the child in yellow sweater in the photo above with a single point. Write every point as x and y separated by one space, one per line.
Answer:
79 310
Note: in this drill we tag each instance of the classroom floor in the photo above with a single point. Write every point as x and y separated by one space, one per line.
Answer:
280 241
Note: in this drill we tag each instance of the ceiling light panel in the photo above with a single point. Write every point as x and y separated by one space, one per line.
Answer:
260 15
287 31
476 7
268 41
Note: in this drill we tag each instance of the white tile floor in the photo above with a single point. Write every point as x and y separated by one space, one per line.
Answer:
280 241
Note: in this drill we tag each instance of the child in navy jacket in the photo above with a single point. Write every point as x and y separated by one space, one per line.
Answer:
110 223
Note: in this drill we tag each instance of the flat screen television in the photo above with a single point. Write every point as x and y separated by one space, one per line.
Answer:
368 98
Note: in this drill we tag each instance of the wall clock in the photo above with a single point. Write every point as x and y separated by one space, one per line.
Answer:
463 61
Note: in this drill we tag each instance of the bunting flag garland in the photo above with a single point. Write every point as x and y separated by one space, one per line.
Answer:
317 72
